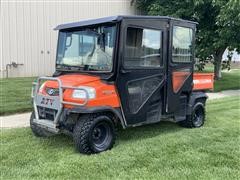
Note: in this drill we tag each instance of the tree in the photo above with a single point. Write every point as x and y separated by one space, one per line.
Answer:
218 29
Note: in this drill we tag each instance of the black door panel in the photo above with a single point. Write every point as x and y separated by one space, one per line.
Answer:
140 90
141 70
180 64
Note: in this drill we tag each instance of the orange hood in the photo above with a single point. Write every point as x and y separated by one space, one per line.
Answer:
72 80
106 94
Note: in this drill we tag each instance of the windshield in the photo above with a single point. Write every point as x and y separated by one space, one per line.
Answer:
89 49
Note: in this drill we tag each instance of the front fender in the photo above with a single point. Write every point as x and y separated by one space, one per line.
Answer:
88 110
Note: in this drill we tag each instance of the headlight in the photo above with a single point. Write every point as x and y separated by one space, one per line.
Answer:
81 94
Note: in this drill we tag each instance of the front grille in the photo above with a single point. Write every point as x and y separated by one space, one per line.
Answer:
46 113
52 91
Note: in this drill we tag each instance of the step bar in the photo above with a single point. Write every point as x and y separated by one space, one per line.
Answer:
47 124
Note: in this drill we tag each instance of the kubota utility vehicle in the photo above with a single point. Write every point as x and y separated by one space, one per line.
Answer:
131 70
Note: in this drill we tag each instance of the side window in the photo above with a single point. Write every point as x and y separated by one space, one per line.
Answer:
143 48
182 44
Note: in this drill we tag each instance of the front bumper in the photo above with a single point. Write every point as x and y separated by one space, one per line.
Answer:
48 110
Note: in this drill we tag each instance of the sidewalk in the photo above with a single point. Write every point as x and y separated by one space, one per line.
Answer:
15 121
223 94
22 120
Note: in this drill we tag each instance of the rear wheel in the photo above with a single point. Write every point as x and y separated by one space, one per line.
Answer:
94 133
197 118
38 131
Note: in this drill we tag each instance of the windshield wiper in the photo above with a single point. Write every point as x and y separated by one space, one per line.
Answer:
88 67
62 66
69 67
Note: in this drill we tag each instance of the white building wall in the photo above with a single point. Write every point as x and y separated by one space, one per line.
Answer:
27 35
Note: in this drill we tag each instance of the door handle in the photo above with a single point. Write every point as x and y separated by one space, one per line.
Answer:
124 71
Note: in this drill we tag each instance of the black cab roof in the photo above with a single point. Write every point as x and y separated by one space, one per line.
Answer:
114 19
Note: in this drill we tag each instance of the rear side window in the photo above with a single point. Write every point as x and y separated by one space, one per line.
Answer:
182 44
143 48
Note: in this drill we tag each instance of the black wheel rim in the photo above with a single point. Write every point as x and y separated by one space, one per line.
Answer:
198 116
101 136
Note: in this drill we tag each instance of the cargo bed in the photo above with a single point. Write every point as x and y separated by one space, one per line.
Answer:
203 81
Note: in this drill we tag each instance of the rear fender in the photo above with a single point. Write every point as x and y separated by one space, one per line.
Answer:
195 96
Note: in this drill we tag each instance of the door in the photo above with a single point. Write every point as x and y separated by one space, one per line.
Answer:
180 67
142 74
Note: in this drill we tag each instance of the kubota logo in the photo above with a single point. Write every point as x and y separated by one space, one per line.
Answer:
51 91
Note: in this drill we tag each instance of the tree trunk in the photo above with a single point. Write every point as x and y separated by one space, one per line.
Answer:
217 69
217 63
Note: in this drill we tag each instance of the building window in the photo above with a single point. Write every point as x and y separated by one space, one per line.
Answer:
182 44
143 48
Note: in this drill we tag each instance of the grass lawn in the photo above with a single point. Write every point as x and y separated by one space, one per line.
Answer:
15 95
159 151
229 80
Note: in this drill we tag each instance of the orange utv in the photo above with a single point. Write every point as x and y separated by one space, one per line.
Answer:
127 70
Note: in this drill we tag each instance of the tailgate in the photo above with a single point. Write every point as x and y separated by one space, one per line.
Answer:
203 81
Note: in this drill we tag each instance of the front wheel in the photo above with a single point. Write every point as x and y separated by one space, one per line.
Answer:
196 119
94 133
